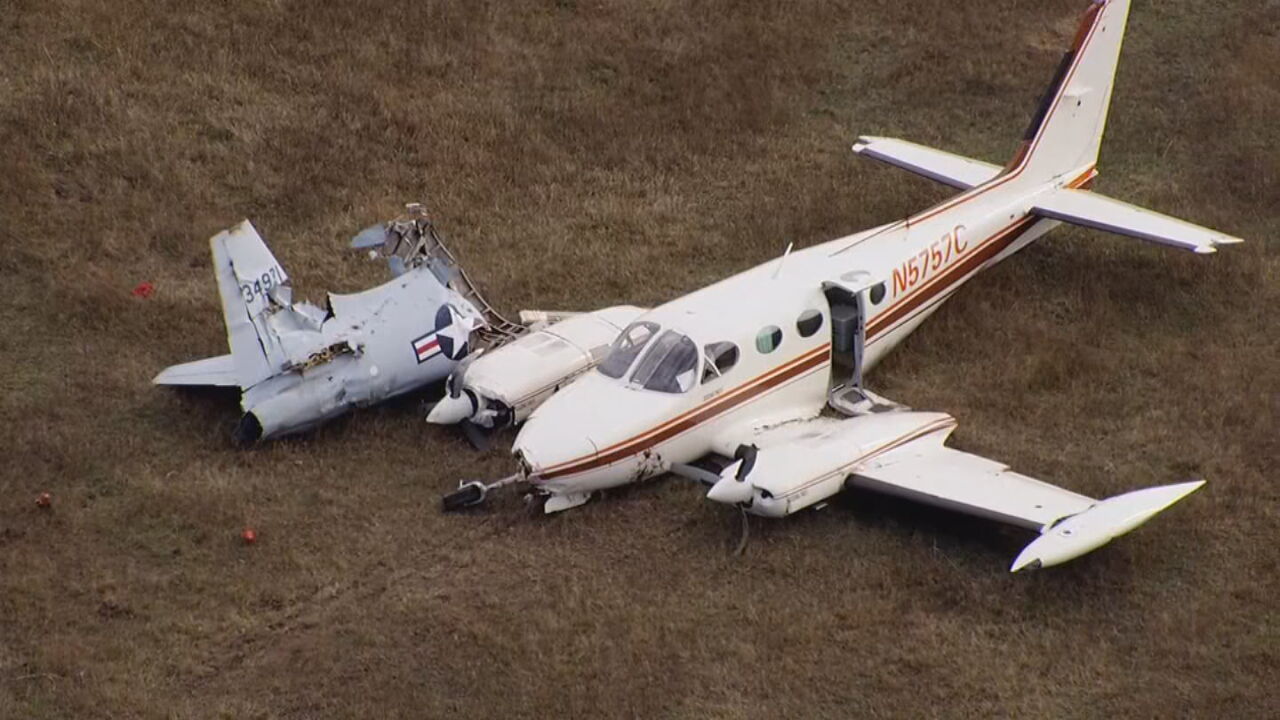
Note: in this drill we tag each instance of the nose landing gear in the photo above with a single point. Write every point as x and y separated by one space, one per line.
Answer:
471 494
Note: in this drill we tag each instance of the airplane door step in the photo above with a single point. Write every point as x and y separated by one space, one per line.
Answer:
853 401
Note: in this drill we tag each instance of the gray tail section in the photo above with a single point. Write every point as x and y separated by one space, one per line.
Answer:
249 282
1066 131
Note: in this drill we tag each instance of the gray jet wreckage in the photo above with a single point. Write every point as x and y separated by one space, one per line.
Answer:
298 365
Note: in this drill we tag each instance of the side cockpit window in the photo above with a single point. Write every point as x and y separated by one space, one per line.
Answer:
626 348
720 357
669 366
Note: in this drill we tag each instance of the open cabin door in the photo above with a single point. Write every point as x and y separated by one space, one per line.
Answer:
848 333
847 300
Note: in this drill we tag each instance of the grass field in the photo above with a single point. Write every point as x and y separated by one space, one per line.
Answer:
583 154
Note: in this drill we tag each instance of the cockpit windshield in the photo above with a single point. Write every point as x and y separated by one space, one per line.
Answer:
626 347
669 366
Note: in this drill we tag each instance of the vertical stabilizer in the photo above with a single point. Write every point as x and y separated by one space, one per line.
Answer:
1066 131
250 281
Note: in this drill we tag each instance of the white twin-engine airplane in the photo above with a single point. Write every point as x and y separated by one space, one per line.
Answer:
744 369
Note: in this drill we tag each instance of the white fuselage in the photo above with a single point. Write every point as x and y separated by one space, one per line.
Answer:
603 431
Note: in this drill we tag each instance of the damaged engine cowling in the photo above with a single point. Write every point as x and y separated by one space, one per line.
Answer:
502 387
288 404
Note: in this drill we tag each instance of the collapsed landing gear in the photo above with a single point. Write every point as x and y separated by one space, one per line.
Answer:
473 493
468 495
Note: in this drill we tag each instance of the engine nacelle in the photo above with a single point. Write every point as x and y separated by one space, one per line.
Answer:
504 386
299 406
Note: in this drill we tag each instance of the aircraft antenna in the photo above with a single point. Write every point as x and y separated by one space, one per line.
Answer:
782 259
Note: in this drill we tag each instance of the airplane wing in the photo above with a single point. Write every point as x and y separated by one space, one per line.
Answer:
1071 524
217 371
947 168
901 452
1089 209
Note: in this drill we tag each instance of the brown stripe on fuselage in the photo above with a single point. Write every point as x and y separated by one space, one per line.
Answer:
694 417
983 253
719 399
985 250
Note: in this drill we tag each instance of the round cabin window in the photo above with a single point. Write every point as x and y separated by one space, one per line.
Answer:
809 322
769 339
877 293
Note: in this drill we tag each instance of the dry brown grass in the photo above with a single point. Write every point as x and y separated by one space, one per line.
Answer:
581 154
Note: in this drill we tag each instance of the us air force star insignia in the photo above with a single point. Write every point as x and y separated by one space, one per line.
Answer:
451 333
433 343
448 339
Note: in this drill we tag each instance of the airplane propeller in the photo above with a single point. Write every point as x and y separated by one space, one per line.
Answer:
459 405
733 488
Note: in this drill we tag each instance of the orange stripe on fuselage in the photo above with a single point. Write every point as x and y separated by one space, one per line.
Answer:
639 443
981 253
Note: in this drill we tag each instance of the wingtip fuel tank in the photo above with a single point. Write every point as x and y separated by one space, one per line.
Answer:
1108 519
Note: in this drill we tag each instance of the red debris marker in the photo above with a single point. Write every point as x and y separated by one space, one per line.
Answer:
144 290
44 500
249 536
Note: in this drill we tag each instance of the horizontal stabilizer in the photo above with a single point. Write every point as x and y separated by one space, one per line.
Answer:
1089 209
216 371
947 168
1097 526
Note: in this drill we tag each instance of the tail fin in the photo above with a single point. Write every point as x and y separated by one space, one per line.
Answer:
250 282
1066 131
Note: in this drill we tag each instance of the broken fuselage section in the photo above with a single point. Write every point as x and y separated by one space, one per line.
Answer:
298 365
501 387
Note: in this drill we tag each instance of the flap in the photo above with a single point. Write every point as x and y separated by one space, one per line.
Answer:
928 472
